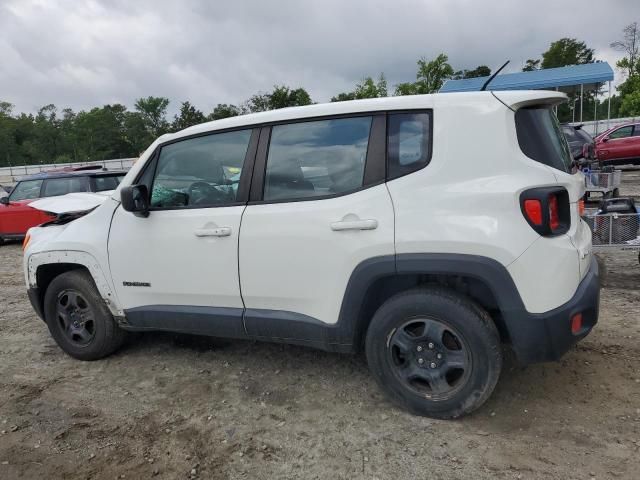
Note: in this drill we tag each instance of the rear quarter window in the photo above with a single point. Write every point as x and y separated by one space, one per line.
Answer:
541 139
105 183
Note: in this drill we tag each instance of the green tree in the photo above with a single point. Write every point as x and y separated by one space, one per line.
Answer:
260 102
629 91
567 51
630 106
479 71
154 112
6 109
222 110
45 145
430 77
188 116
136 134
367 88
344 96
370 89
281 97
406 88
101 133
531 64
630 45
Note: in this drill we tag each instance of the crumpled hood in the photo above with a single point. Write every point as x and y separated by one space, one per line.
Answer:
71 202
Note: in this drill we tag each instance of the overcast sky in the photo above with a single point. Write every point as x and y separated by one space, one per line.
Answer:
88 53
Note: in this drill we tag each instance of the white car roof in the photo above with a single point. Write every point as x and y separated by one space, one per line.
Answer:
439 100
512 99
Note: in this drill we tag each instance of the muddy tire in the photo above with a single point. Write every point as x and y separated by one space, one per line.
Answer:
78 319
434 352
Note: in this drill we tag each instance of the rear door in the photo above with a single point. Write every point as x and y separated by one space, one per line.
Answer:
319 207
619 144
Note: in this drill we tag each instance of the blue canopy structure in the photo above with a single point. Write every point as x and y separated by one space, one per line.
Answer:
565 79
590 76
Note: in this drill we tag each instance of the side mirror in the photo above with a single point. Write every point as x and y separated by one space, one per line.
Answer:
135 199
4 200
605 139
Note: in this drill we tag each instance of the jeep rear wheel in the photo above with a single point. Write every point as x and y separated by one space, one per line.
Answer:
78 319
435 352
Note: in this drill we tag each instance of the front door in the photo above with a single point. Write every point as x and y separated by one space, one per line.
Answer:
182 260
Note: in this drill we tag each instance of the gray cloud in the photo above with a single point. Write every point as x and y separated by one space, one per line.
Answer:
85 54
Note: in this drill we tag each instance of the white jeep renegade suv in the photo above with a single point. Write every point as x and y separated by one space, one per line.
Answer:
377 225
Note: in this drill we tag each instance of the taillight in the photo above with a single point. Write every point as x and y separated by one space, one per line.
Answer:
546 209
533 211
581 207
554 216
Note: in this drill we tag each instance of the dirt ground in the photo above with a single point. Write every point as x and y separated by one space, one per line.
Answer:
169 406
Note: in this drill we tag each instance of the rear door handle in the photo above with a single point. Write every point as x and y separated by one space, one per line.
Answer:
213 232
369 224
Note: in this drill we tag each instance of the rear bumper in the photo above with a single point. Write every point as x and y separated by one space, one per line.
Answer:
547 336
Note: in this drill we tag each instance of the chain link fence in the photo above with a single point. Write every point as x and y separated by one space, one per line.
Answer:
614 229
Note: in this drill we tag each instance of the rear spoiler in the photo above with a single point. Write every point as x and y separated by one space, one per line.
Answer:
515 99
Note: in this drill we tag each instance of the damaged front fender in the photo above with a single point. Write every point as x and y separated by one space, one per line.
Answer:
81 259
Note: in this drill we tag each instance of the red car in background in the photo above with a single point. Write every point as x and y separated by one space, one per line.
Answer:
16 216
619 145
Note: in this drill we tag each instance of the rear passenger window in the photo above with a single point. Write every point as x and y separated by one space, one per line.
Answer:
541 139
623 132
104 183
315 159
61 186
409 143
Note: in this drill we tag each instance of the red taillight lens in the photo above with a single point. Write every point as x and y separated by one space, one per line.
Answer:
554 216
533 209
576 323
547 210
581 207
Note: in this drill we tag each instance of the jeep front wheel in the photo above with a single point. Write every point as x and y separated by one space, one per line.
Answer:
78 319
435 352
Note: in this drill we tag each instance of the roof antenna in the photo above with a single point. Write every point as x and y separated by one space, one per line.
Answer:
493 75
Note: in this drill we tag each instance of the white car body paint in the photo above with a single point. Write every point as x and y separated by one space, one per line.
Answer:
71 202
465 201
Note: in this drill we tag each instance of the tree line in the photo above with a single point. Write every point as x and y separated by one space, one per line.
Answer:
114 131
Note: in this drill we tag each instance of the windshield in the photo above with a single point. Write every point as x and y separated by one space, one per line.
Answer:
541 138
26 190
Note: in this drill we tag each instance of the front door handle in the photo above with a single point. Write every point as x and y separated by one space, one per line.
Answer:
369 224
213 232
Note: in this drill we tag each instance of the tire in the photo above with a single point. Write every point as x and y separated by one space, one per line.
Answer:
78 318
407 334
